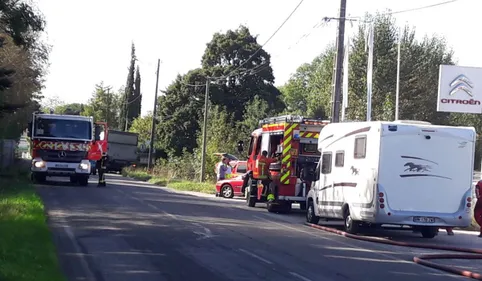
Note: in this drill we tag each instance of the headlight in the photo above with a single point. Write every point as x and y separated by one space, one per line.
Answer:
39 164
84 166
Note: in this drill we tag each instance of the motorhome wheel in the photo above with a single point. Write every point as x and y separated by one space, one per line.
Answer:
429 231
351 226
311 217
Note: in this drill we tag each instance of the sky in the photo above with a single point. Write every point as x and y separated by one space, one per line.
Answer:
91 39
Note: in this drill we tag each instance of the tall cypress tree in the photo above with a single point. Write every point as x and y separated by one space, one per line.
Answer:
127 101
135 110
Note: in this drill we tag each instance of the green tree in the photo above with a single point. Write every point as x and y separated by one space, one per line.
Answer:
23 58
226 53
180 109
103 105
418 73
127 112
142 127
308 91
254 111
71 108
136 102
51 103
220 137
22 54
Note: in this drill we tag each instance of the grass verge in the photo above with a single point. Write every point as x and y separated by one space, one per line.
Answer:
27 251
183 185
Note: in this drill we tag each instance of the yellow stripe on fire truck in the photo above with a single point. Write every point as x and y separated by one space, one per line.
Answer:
309 134
286 155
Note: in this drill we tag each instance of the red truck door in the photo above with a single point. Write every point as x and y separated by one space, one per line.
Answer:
100 143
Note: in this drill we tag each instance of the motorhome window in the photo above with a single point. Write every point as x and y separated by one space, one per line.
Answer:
340 159
360 147
63 129
274 141
326 163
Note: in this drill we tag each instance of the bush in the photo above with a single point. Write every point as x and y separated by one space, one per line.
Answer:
158 177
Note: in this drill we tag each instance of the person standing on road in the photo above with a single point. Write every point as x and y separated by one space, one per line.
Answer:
222 169
478 206
262 165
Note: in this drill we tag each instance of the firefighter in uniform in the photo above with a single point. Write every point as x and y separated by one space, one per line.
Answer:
273 178
102 166
262 167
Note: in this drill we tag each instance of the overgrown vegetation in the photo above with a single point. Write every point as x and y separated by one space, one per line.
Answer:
23 62
27 251
163 177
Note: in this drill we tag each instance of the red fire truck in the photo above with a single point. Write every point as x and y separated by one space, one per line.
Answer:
291 142
60 146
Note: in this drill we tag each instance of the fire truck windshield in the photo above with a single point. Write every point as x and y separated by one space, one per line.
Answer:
63 129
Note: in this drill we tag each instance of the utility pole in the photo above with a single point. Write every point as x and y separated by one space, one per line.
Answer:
397 94
205 128
154 114
340 45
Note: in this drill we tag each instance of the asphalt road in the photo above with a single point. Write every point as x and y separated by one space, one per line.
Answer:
133 231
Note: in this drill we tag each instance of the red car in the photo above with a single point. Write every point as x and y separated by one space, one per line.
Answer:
228 188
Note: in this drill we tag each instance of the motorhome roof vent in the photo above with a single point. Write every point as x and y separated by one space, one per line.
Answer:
413 122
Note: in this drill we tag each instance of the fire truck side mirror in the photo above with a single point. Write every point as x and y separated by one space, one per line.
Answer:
29 130
309 174
240 146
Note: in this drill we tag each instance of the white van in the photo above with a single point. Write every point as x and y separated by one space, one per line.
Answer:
406 173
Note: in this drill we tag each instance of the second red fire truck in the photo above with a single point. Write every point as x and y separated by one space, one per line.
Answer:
291 142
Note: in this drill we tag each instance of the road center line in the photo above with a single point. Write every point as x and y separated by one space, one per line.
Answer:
255 256
301 277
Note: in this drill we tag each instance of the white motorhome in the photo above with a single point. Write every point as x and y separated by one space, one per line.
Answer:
406 173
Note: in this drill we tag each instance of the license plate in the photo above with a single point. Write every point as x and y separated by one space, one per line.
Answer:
61 166
424 219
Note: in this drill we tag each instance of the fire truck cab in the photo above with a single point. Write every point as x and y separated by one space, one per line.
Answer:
291 142
60 146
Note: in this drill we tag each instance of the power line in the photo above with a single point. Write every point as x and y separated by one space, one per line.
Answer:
215 79
265 43
421 8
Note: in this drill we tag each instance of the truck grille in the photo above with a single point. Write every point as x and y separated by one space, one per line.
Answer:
69 157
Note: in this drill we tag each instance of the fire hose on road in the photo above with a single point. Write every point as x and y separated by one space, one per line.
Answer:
473 254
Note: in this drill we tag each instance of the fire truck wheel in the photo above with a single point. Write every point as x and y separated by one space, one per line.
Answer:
38 178
250 201
272 208
227 191
83 181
